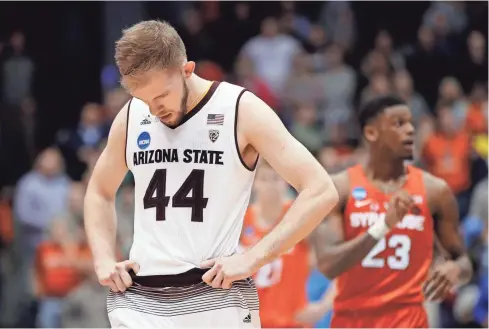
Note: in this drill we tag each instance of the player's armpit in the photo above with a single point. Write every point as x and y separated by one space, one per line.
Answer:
445 208
333 255
99 209
260 128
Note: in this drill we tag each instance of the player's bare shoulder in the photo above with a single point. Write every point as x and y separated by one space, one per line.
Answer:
437 191
118 129
252 113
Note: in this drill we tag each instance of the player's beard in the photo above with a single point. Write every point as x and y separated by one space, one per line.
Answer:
183 106
409 157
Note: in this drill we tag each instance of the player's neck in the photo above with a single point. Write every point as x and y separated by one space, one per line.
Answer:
197 87
382 169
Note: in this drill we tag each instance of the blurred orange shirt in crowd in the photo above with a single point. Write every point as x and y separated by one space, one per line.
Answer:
54 275
6 223
476 121
448 158
210 71
281 284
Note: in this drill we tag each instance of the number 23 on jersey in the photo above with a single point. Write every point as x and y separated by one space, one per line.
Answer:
399 261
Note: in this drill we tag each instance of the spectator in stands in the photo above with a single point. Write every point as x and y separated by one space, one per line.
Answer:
85 305
473 226
330 159
243 27
425 55
379 85
74 213
403 86
305 127
41 194
245 76
28 109
20 138
384 45
272 54
2 60
6 220
17 72
481 307
451 12
62 261
338 83
373 64
293 22
472 68
451 93
79 144
447 154
114 100
6 235
302 85
338 19
422 117
476 118
210 71
316 44
198 43
338 153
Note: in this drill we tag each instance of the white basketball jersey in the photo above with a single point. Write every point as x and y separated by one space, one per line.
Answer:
191 187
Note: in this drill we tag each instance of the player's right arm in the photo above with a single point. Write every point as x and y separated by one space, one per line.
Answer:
334 255
99 208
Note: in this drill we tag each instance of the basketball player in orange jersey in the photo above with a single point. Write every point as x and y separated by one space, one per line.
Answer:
281 284
378 242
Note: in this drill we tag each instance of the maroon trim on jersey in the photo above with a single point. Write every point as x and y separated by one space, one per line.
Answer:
127 130
236 135
208 95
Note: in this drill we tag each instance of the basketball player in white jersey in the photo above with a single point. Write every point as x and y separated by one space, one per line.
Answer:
192 146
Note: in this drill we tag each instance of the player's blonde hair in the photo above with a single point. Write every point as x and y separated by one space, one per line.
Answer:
148 45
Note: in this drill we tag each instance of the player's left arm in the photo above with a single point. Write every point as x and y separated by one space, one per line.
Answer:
260 128
458 269
260 131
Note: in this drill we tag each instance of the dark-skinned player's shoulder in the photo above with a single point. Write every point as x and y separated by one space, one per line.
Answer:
437 190
434 184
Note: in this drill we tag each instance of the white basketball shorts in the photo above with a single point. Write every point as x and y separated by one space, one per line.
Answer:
195 306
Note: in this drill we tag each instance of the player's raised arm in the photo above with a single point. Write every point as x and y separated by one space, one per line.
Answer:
334 255
260 128
99 208
457 270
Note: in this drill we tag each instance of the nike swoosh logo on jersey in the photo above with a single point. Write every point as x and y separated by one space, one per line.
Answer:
362 203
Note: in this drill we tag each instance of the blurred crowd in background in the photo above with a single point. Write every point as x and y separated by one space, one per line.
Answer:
315 64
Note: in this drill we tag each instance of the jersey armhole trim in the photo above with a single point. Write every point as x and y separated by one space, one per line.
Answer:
236 135
127 131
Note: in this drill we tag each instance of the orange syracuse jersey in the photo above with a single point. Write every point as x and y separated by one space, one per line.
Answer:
281 284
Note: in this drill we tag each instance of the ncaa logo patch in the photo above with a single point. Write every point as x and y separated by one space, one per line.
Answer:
213 135
249 231
144 139
359 193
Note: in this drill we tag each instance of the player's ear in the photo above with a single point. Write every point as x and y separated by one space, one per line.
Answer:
370 132
188 69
